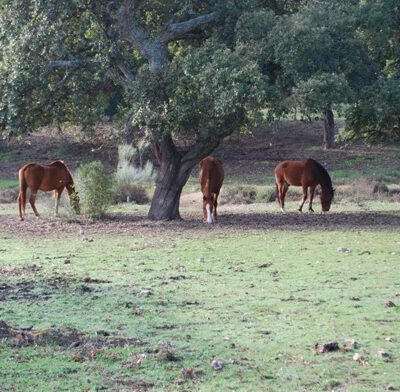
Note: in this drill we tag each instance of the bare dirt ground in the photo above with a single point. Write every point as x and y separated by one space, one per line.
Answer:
231 220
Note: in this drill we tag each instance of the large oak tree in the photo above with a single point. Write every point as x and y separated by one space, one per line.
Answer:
187 73
176 62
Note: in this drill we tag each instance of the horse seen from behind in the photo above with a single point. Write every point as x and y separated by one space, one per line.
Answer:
211 179
307 173
54 177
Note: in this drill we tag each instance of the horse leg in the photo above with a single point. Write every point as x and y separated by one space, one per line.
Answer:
283 189
304 198
21 207
312 189
57 196
32 199
278 195
215 205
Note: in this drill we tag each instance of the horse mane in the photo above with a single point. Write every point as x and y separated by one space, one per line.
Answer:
325 177
61 164
58 163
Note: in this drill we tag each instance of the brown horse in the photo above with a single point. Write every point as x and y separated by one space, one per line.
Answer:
211 178
307 174
54 177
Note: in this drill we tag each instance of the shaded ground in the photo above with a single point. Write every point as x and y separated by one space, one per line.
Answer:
232 219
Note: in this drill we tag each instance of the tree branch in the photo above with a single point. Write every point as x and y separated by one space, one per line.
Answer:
176 31
198 151
130 30
156 51
120 72
209 142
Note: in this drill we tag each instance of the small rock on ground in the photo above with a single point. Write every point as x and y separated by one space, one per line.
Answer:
390 304
326 347
217 364
343 249
144 293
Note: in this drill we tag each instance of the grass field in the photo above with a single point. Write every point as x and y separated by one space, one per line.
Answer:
129 304
257 300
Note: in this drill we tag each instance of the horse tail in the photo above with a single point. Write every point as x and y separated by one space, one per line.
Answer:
22 192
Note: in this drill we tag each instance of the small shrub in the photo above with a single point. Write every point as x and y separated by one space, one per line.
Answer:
381 188
360 190
129 178
364 189
94 189
130 193
239 195
8 195
268 195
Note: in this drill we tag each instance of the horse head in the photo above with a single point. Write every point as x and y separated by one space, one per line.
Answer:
208 206
326 199
73 197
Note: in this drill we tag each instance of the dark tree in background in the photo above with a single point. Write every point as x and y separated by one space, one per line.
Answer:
188 73
329 128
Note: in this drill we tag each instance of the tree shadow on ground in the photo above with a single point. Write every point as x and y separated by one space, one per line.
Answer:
138 223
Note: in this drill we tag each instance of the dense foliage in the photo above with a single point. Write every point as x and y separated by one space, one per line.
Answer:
95 189
290 54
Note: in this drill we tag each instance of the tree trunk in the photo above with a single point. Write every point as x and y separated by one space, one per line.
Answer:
170 182
174 172
329 128
169 185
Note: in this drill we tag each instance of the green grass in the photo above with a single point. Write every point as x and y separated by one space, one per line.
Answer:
7 156
8 183
257 300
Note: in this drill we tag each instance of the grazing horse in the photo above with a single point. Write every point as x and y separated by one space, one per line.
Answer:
307 174
54 177
211 178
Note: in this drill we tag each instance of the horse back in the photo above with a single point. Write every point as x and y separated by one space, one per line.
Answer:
299 173
211 175
33 174
58 163
46 177
291 172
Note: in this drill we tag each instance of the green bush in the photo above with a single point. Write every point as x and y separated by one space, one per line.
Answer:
268 195
94 187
